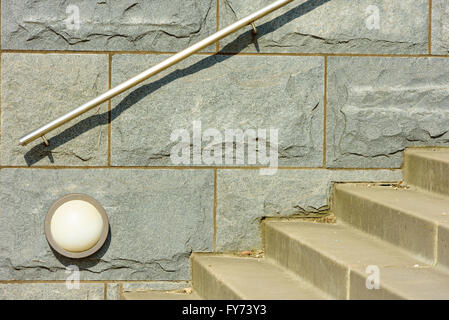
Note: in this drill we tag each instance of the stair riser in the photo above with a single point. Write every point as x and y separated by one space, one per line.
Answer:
230 277
348 262
325 273
208 286
359 291
409 232
428 174
413 283
443 246
322 272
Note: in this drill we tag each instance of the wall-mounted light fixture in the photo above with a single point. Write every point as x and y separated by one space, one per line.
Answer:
76 226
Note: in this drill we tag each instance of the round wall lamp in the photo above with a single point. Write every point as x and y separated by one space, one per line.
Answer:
76 226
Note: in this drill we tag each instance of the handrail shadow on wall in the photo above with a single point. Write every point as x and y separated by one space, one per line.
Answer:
40 151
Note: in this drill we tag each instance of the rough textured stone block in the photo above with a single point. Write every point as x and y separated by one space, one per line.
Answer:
156 25
440 27
38 88
245 197
113 291
337 26
157 287
157 218
51 291
379 106
223 92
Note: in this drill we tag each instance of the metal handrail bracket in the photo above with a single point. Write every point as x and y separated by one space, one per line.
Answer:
249 20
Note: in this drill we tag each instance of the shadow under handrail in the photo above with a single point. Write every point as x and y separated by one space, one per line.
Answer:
41 151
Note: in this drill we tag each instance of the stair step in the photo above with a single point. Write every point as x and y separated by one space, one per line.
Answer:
427 169
159 295
335 257
412 283
412 220
231 278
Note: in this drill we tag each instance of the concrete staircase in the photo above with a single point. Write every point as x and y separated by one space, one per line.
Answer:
396 234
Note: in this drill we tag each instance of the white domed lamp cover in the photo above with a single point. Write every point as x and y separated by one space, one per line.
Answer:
76 226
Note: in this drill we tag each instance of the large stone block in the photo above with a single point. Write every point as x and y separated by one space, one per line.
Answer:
245 197
156 25
51 291
440 27
114 291
157 218
155 286
38 88
379 106
223 92
337 26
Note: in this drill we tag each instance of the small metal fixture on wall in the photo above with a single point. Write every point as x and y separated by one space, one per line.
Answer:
76 226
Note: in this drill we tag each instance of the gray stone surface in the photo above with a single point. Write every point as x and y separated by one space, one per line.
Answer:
38 88
155 286
223 92
440 27
157 218
156 25
51 291
245 197
379 106
337 26
113 291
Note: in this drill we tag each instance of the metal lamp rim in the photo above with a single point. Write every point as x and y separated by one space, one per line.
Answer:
104 232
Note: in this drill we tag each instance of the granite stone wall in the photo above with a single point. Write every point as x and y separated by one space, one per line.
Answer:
348 85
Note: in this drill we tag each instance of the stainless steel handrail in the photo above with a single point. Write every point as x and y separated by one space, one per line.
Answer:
249 20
